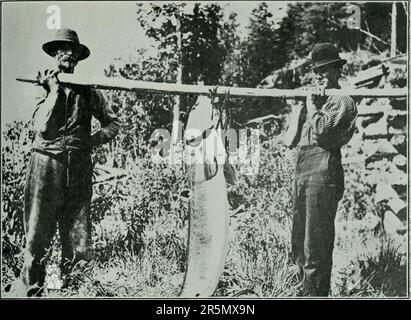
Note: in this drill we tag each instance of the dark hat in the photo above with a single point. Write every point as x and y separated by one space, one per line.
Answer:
66 36
325 53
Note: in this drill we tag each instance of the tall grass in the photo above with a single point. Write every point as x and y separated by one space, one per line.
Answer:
140 232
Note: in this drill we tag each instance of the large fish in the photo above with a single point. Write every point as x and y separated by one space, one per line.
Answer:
208 220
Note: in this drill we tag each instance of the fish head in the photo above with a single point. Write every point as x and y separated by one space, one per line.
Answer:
200 121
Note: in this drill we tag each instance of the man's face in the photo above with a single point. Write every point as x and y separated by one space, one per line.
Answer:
66 58
328 75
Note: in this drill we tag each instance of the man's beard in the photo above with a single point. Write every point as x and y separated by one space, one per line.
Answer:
324 82
66 64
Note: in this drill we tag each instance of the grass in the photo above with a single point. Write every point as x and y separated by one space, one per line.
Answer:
366 263
369 265
148 274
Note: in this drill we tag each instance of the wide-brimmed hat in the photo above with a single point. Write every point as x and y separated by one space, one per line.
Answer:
325 53
66 36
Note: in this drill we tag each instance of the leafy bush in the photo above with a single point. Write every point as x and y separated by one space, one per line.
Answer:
376 268
16 143
140 229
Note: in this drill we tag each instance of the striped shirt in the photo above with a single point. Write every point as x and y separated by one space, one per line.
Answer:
332 126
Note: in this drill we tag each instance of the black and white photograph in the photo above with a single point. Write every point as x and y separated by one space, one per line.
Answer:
234 150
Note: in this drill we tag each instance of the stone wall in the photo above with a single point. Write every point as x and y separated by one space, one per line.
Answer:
379 149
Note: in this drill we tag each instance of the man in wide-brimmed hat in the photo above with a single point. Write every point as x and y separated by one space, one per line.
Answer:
319 176
58 184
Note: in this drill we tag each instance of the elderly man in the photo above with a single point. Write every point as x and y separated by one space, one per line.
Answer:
58 185
319 175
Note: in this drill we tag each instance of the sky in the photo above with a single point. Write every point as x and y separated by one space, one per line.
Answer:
109 29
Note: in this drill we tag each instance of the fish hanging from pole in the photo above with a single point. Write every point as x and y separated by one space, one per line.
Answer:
209 210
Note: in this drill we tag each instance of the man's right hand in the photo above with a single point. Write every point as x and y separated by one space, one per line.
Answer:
315 98
48 80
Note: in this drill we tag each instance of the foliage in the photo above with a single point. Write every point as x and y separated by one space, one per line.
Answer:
258 54
360 199
16 142
309 23
203 47
258 258
202 51
140 113
264 49
376 18
377 268
140 233
126 210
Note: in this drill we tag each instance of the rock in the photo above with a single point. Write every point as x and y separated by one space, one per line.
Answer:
377 105
374 177
386 175
384 192
400 143
385 147
369 147
392 225
377 129
396 176
397 139
395 172
372 163
359 159
355 144
400 161
393 131
396 205
378 151
370 221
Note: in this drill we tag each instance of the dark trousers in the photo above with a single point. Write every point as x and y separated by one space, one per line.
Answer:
318 187
58 192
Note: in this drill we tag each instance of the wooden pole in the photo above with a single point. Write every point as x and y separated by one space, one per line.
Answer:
176 108
105 83
404 5
393 29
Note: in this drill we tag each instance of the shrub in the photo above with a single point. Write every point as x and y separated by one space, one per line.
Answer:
16 143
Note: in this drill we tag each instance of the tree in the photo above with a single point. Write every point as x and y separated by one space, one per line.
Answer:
376 17
264 50
140 113
309 23
205 44
258 55
203 48
232 73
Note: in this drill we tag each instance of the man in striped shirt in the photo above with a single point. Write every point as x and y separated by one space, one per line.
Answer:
319 175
